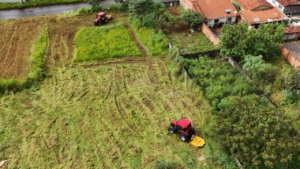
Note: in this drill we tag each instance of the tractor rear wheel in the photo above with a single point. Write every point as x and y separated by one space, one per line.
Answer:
183 137
106 20
172 130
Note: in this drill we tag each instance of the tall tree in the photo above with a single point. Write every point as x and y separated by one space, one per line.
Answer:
141 9
240 40
255 133
192 18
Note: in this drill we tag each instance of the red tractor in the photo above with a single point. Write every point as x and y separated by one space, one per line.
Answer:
184 129
186 132
101 17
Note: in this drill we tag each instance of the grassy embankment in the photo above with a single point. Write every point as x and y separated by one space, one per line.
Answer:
35 3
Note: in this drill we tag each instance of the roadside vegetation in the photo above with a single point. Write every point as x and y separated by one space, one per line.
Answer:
34 3
104 42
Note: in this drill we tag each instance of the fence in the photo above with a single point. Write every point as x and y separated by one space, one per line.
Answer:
293 61
209 34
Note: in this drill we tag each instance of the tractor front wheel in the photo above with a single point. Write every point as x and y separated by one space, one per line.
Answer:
183 137
171 130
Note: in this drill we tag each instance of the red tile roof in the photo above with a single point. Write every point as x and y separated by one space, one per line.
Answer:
293 29
262 15
286 2
252 4
212 9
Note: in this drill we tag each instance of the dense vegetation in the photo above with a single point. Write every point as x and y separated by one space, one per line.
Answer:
238 41
104 42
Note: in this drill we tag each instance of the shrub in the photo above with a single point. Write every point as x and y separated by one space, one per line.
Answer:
118 8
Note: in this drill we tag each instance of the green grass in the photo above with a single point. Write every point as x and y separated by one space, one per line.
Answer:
103 42
155 42
12 5
101 117
195 44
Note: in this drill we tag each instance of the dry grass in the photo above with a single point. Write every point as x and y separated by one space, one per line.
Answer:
113 116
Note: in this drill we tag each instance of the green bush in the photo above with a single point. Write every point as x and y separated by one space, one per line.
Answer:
38 55
94 43
118 8
98 8
84 10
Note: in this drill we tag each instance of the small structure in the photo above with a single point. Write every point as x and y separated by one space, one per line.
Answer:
216 12
288 7
291 52
255 12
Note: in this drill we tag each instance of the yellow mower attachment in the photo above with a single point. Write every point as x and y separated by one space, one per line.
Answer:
196 141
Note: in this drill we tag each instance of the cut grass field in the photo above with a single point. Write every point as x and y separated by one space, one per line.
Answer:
113 116
93 43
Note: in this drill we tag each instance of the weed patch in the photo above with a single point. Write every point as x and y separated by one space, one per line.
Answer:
155 42
94 43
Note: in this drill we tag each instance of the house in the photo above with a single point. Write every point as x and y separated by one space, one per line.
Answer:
288 7
216 12
255 12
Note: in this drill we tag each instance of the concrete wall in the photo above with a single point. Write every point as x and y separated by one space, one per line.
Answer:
290 36
210 22
209 34
186 4
293 61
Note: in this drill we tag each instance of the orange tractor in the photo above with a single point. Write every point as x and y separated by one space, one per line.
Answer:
101 17
186 132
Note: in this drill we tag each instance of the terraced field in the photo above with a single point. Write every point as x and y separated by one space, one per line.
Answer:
100 116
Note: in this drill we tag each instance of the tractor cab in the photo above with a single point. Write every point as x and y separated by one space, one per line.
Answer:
182 125
100 15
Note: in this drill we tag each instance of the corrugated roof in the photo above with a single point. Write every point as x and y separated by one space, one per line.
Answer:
293 29
252 4
286 2
265 15
212 9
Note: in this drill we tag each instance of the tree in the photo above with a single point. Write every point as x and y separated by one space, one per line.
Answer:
240 40
93 3
293 85
141 9
254 132
255 66
192 18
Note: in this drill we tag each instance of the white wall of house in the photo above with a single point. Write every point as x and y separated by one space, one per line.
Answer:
211 22
276 4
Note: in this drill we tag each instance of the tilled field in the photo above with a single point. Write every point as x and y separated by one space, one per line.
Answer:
16 39
101 116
